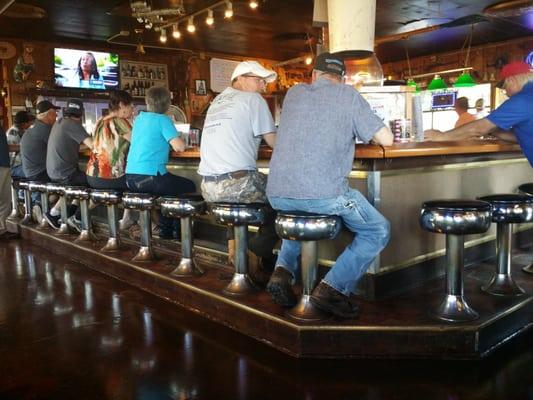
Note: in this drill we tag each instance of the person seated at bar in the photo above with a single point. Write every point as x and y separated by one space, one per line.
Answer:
236 121
461 108
22 121
106 168
153 136
33 147
309 171
5 188
511 121
67 138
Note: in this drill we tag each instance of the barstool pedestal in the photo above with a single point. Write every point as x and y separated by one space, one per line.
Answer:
109 198
144 202
58 189
40 187
527 189
82 193
309 229
15 214
24 185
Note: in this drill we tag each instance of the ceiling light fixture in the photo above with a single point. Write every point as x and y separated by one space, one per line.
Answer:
190 25
228 13
143 12
437 83
465 79
308 60
253 4
163 37
176 34
209 20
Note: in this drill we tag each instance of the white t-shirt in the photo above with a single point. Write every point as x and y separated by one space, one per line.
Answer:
232 132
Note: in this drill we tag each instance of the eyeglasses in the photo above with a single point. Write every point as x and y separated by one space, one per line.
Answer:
255 77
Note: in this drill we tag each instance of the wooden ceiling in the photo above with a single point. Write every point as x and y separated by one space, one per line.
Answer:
277 30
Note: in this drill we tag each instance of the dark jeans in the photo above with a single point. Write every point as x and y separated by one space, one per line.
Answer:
161 185
40 177
110 184
17 172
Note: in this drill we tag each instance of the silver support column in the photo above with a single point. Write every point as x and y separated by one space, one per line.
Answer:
373 188
240 283
113 243
186 266
145 251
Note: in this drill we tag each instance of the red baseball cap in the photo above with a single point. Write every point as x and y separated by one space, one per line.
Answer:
512 69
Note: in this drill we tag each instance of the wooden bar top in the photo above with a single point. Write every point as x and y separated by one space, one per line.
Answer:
397 150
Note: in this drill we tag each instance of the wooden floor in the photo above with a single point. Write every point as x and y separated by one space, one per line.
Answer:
68 332
402 323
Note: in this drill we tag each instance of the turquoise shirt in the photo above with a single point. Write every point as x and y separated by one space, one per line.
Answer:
149 147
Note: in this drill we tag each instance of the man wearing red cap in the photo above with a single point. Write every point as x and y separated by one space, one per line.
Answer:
512 121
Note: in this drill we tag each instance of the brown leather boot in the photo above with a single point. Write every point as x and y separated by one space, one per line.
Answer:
280 288
332 301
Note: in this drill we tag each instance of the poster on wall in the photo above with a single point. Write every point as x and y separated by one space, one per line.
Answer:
220 71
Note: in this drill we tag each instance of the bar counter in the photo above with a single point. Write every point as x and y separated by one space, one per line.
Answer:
397 180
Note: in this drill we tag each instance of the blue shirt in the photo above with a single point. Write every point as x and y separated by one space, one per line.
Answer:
516 113
149 147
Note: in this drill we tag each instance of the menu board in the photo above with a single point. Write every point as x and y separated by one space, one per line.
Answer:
220 73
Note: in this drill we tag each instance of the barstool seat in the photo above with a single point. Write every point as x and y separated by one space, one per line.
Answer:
307 228
239 216
40 187
144 202
111 199
527 188
83 194
455 218
184 207
507 209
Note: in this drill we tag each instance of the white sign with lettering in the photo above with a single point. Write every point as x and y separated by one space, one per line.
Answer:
220 73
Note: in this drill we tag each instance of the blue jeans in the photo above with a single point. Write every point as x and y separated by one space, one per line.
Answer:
371 230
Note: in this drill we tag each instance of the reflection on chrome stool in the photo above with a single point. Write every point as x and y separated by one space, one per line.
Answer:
308 229
109 198
82 193
527 188
24 185
40 187
144 202
58 189
239 216
15 186
507 209
184 207
455 218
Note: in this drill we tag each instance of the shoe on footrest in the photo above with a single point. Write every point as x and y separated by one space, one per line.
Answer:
53 220
74 223
334 302
280 287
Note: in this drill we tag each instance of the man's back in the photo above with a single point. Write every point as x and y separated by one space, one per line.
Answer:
33 148
316 140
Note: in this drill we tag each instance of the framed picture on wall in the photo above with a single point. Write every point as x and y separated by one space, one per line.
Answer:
200 87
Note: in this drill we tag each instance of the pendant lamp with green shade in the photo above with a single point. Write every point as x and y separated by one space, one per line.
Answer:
465 80
411 82
437 83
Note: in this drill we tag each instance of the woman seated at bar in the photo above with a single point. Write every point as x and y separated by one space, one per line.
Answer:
153 136
106 168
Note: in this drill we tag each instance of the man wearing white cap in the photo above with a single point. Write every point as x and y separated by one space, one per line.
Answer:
236 122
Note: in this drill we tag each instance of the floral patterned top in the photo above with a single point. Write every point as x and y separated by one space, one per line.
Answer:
110 148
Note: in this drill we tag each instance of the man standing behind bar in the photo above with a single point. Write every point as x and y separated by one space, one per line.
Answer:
235 123
309 172
5 188
512 121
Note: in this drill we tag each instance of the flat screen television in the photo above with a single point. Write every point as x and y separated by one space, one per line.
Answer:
85 69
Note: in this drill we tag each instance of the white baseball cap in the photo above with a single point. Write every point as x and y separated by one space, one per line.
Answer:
253 67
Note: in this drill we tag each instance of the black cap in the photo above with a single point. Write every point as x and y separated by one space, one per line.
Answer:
330 63
44 106
22 117
74 106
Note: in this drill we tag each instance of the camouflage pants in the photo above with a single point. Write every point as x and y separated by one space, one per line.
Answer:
248 189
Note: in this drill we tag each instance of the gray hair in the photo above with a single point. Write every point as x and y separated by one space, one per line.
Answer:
158 99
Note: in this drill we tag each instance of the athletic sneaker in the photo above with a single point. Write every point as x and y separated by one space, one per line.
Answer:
74 223
52 220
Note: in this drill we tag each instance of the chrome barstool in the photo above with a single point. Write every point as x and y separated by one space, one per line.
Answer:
82 193
507 209
59 189
527 188
24 185
239 216
184 207
40 187
308 229
455 218
144 202
111 199
15 186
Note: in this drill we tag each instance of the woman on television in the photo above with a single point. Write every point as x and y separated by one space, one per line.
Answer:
106 168
88 72
153 136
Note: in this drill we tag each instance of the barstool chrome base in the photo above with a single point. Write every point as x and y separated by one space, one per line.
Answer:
454 309
63 229
306 311
43 225
26 220
187 267
240 285
113 244
528 269
85 236
144 254
503 285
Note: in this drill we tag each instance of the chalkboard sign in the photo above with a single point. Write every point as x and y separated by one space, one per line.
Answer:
220 73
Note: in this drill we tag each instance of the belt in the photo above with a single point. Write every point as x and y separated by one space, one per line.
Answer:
229 175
